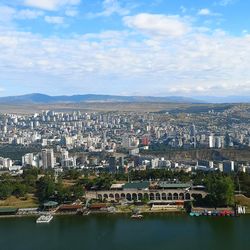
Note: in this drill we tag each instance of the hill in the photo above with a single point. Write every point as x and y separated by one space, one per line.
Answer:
38 98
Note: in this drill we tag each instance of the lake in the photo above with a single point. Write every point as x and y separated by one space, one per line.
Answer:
158 231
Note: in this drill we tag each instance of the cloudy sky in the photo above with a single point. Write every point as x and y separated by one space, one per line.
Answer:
125 47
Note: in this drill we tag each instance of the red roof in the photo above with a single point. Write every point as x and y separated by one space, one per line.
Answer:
70 207
98 206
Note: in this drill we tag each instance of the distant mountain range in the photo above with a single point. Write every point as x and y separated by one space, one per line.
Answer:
225 99
38 98
46 99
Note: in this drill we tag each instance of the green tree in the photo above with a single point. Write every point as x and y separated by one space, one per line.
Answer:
45 188
221 190
29 178
62 193
77 191
19 190
72 174
5 190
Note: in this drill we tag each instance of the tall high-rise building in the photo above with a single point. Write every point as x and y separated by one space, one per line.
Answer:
27 159
145 140
64 154
126 141
193 135
112 164
228 166
193 131
218 142
211 141
48 158
104 135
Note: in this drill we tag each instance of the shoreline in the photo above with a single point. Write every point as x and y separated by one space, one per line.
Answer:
177 212
104 213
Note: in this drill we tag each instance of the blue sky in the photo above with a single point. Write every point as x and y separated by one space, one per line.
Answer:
125 47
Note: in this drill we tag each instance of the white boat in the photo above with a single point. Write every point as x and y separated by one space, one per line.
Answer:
136 216
85 213
44 219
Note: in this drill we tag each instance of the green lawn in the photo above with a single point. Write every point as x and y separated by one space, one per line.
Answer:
12 201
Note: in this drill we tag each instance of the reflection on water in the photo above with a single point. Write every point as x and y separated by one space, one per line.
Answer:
104 232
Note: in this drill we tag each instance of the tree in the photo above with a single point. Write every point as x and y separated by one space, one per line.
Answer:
72 174
5 190
62 193
29 178
221 190
45 188
77 191
19 190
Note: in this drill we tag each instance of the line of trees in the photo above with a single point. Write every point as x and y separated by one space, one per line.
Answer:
70 185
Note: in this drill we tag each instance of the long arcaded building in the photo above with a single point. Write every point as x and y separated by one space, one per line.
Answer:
138 191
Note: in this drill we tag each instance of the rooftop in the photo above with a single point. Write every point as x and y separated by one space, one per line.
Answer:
136 185
50 204
165 184
8 210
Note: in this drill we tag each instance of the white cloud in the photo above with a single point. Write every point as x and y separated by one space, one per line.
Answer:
183 63
71 12
225 2
204 12
110 7
50 5
207 12
8 14
54 19
183 9
155 24
28 14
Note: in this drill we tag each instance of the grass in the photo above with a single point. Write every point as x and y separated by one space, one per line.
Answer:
69 183
12 201
244 201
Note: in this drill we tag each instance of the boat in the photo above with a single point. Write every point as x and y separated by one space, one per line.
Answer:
85 213
136 216
194 214
213 213
44 219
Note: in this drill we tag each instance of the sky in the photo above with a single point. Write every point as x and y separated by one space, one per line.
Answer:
125 47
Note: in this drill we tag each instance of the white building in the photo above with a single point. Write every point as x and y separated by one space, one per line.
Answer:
27 159
48 160
5 163
211 141
228 166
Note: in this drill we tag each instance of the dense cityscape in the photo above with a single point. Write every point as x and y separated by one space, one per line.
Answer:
124 124
118 142
163 160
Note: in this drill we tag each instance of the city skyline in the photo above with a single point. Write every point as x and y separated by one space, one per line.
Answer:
156 48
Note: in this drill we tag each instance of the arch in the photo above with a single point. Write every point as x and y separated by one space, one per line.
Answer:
164 196
157 196
187 196
111 196
105 196
128 197
175 196
140 196
146 196
134 197
151 196
170 196
196 196
117 196
99 197
123 196
181 196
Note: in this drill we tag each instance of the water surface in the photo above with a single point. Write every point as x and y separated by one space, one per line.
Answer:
120 232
